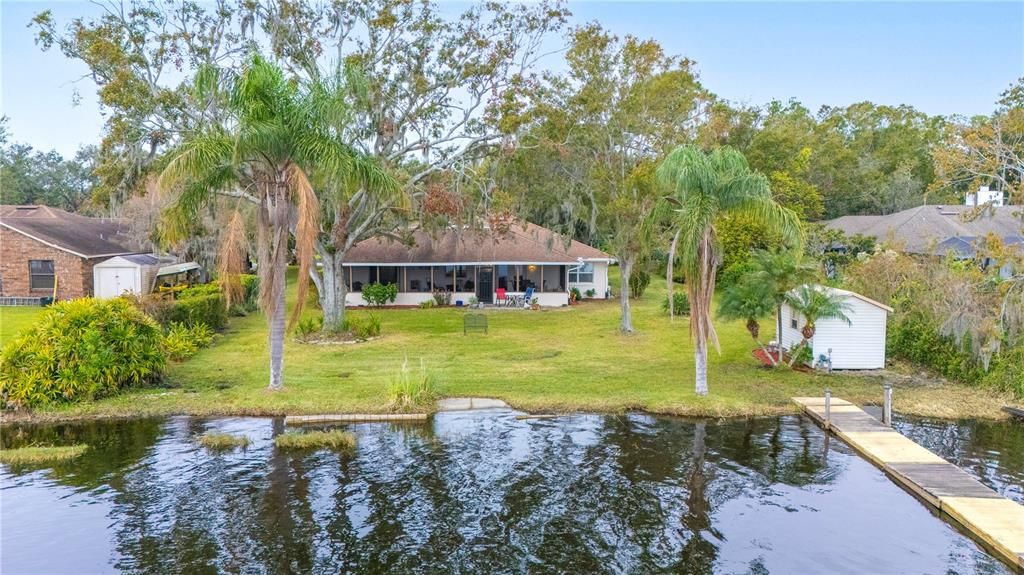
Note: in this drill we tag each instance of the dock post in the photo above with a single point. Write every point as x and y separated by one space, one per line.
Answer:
828 408
887 405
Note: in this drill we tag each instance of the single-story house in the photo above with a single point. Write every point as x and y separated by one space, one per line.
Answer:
480 263
935 230
857 345
48 252
141 274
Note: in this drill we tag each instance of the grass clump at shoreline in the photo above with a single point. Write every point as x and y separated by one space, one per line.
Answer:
333 439
218 441
41 454
412 389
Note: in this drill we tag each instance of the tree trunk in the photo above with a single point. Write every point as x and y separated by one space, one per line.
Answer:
626 269
277 329
332 296
700 356
668 276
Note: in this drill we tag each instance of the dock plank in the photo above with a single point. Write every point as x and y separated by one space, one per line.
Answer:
993 519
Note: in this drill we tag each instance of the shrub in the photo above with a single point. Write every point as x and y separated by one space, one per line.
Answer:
575 294
427 304
218 441
638 282
680 304
183 341
309 327
412 388
442 297
735 273
591 292
205 309
377 294
81 349
334 439
199 290
365 328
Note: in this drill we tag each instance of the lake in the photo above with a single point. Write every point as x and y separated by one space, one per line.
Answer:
483 492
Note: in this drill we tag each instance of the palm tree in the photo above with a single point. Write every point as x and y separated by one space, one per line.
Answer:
780 271
274 136
748 300
702 187
815 303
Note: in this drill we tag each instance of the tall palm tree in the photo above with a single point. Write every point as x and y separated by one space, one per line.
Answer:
781 271
815 303
276 134
748 300
702 187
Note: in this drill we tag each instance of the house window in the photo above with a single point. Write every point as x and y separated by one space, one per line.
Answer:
582 274
40 274
793 321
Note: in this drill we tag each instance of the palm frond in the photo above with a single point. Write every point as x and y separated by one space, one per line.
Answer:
306 230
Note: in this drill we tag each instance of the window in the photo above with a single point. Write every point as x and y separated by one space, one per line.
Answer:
582 274
793 321
40 274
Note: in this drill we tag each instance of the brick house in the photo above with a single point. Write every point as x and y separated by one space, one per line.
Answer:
42 247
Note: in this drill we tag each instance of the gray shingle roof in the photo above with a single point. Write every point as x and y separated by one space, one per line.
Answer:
924 228
80 235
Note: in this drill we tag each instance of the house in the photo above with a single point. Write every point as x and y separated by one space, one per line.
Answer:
984 196
478 263
141 274
934 230
857 345
47 252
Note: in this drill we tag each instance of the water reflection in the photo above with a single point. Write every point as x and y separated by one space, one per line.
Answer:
471 493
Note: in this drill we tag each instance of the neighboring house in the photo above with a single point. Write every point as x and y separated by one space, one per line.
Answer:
857 345
43 247
934 230
477 263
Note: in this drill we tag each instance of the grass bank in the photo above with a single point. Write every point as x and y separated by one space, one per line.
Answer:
559 360
40 454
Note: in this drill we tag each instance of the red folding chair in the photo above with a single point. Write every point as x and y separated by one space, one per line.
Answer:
500 296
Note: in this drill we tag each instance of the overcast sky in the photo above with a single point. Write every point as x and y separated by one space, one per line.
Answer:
942 58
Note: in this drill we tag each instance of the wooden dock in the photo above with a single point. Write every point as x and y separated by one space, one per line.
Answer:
993 519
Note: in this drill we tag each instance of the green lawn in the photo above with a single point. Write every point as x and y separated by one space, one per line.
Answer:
15 319
554 360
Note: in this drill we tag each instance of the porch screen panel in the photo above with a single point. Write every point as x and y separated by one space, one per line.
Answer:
388 275
534 276
419 279
502 273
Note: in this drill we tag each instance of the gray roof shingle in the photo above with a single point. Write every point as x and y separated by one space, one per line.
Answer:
80 235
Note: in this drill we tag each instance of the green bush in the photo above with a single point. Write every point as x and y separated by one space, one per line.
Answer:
733 274
575 294
428 303
365 328
638 282
183 341
206 309
81 349
377 294
308 327
920 341
680 304
1006 373
199 290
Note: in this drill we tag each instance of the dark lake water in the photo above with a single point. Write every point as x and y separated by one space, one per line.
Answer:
486 493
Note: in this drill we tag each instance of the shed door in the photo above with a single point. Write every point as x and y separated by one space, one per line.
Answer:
112 282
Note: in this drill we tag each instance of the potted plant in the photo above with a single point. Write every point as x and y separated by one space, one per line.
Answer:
535 303
474 302
590 293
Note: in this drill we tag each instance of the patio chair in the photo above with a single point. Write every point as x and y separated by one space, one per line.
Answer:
499 297
526 298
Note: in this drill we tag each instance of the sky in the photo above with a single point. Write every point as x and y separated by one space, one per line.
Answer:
942 58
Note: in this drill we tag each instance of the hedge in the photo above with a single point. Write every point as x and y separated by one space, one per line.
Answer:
81 349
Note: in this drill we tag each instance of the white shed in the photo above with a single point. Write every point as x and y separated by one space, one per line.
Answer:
134 273
857 345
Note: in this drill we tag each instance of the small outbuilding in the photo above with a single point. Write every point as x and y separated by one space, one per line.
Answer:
859 344
140 274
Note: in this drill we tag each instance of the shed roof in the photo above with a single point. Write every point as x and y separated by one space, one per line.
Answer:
926 228
73 233
853 294
522 243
